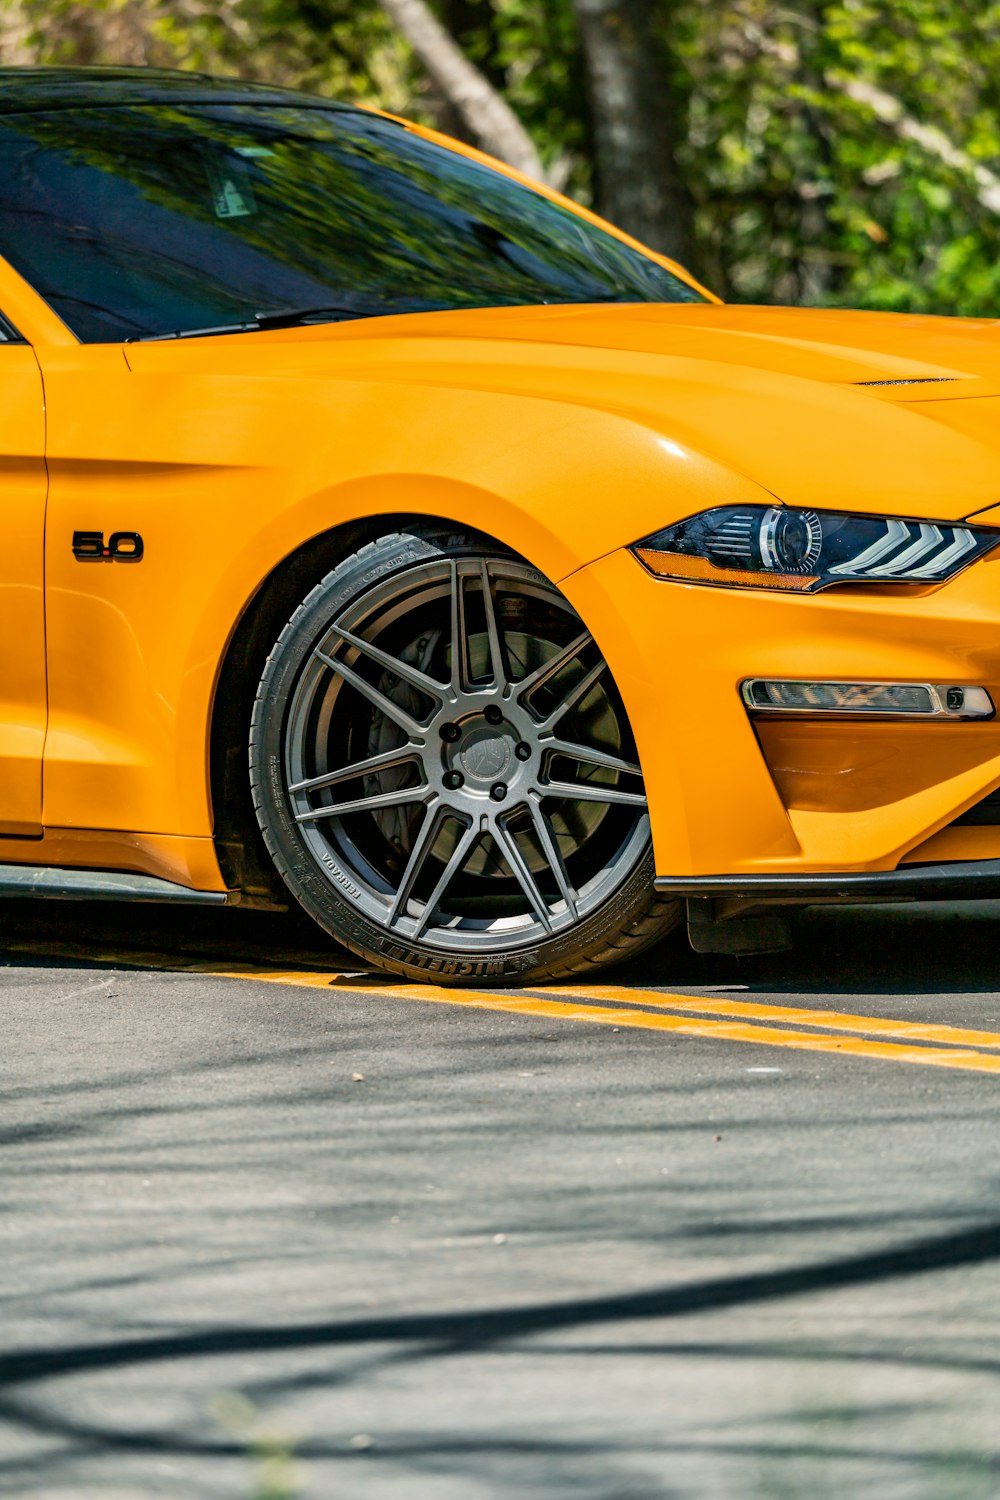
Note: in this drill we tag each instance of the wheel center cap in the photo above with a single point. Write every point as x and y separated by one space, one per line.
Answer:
485 755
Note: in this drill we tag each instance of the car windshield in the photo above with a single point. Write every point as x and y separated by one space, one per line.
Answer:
137 221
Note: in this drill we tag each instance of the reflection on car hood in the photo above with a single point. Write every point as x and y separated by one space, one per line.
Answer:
813 344
870 412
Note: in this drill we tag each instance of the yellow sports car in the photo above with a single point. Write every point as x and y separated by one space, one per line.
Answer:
386 530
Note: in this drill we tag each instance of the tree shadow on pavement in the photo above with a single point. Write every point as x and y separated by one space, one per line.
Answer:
838 950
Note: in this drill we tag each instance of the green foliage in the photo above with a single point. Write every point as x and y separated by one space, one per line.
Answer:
271 1454
806 188
807 194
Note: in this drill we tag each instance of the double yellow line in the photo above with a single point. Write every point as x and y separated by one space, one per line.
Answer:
708 1017
925 1044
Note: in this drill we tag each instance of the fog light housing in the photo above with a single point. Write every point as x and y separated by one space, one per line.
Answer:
901 700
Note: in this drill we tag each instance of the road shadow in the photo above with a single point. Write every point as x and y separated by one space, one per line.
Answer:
932 949
462 1332
105 934
941 949
83 1144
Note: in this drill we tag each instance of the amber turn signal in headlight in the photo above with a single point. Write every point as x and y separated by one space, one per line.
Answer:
800 551
921 700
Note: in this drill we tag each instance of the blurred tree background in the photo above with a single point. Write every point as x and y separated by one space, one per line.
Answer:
841 154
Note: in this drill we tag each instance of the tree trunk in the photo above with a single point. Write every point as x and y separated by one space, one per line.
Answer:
486 114
636 125
16 40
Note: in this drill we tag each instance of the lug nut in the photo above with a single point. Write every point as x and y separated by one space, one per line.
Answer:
450 732
498 791
453 780
523 750
492 715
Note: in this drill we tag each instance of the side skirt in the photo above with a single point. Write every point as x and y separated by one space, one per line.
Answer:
99 885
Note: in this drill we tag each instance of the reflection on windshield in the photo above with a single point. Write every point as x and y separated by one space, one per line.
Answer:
151 219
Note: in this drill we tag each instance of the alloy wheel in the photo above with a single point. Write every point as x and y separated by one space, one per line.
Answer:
457 759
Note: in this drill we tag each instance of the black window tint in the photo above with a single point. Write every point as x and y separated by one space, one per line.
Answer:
138 220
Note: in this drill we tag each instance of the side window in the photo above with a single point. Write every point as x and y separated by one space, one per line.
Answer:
8 333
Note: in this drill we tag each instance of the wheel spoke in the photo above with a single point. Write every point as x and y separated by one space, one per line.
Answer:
381 702
460 854
368 804
553 858
387 761
590 757
578 691
412 675
591 791
499 665
459 636
548 669
511 851
422 846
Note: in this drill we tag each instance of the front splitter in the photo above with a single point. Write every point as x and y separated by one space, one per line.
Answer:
964 880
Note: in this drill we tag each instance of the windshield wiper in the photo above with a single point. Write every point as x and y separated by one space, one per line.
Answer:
293 317
192 333
279 317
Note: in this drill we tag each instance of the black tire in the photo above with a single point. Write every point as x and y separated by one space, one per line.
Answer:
374 878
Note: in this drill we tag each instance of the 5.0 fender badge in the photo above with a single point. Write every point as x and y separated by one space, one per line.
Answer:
122 546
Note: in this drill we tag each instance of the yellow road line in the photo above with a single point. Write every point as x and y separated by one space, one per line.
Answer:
730 1031
954 1053
829 1020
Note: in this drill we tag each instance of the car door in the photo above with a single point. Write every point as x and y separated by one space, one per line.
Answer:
23 708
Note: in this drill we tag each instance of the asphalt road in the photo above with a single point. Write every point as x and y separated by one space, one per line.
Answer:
717 1228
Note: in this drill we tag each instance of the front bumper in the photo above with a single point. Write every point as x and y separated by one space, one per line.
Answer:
732 797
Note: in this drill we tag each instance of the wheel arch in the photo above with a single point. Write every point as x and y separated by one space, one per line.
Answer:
244 861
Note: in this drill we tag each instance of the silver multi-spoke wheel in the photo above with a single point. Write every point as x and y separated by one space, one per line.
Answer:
454 761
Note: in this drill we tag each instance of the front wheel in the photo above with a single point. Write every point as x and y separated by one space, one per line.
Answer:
444 772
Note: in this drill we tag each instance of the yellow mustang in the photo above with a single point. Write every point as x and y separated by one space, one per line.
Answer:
383 529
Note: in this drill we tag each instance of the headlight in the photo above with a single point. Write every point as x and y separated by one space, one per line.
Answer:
769 546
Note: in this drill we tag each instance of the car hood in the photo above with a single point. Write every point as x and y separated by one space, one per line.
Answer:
829 345
826 408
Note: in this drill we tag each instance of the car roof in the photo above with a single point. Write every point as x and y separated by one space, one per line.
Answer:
24 89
